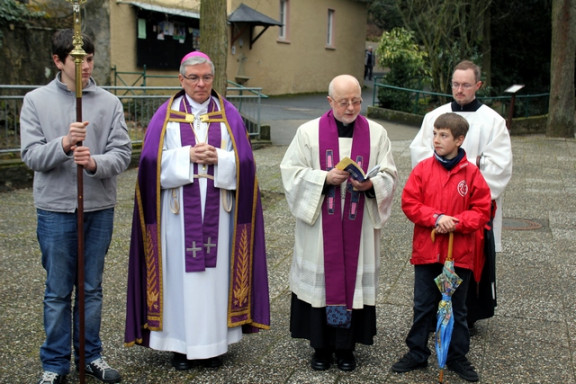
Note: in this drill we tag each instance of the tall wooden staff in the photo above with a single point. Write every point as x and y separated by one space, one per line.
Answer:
78 54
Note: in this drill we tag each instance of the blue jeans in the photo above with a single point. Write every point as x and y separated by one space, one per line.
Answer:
426 299
58 239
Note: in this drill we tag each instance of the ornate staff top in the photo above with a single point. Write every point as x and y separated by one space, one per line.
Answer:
78 52
78 55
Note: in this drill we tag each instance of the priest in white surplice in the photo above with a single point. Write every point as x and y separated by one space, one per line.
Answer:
488 145
197 276
334 274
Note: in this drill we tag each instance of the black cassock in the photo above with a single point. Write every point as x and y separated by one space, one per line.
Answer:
481 299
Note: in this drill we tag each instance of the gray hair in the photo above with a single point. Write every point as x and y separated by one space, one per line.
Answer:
194 60
341 80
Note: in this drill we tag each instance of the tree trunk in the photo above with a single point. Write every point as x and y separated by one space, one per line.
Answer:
487 48
561 112
214 39
449 31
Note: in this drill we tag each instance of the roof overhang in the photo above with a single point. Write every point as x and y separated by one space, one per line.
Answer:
245 14
247 18
161 9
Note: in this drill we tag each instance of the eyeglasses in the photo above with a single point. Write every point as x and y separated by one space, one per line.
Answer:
344 103
463 85
206 79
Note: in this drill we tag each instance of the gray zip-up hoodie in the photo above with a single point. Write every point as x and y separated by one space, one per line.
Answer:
45 118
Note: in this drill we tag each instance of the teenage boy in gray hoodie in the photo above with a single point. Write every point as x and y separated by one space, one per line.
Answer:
54 145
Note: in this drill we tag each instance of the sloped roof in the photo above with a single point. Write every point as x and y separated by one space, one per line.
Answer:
161 9
245 14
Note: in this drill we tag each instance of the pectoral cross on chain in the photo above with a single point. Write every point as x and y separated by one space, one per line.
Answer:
193 249
209 245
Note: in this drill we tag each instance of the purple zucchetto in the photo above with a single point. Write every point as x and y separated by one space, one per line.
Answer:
195 53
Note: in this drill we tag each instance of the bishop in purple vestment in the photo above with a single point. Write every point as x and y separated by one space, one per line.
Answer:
197 270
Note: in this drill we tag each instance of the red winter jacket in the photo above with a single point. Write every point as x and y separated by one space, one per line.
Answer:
462 192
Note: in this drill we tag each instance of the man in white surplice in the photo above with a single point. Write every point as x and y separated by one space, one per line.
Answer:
487 143
334 274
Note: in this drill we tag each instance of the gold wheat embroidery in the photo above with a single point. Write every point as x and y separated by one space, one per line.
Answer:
151 276
241 282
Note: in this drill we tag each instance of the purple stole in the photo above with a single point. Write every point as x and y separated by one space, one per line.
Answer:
248 304
201 230
341 229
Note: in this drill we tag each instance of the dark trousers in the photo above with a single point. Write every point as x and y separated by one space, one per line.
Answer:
368 72
310 323
426 299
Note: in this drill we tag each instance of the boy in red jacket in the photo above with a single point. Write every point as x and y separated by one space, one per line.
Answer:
447 193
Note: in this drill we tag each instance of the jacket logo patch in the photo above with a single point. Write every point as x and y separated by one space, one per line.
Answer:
462 188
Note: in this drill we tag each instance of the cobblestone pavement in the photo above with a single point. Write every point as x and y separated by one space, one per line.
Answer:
530 339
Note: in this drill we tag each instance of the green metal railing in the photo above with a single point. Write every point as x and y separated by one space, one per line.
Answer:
139 102
137 78
418 102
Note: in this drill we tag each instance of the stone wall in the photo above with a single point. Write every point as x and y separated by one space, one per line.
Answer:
25 56
25 50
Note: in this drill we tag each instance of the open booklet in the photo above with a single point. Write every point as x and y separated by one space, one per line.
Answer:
355 170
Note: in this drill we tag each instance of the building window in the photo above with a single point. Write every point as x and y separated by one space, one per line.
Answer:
172 35
330 31
283 34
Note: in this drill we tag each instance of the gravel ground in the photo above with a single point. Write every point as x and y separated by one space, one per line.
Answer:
530 339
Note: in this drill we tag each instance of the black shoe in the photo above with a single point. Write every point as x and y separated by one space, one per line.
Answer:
345 360
181 363
321 360
464 369
472 329
408 363
213 362
102 371
52 378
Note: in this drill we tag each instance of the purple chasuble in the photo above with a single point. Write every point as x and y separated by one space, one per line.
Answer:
341 229
200 228
248 302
